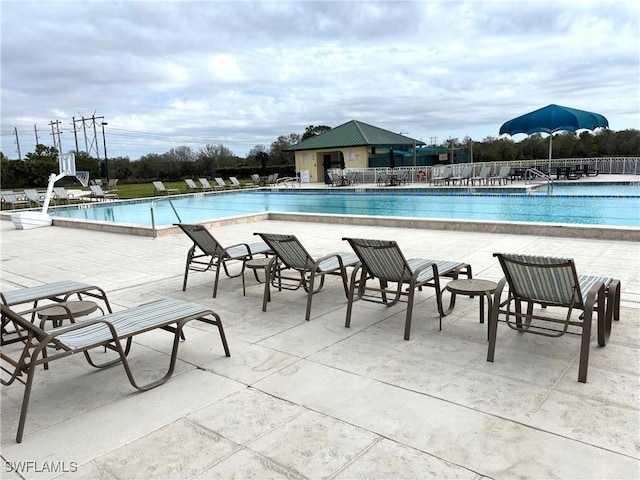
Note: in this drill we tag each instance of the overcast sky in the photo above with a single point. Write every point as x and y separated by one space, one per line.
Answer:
164 74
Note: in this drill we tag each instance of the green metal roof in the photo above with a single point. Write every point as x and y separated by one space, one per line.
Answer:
353 134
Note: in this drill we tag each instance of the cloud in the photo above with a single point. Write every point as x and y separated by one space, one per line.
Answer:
243 73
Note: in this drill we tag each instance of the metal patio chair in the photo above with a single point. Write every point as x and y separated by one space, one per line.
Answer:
34 197
160 189
206 186
98 193
549 287
11 200
114 331
384 262
293 257
207 253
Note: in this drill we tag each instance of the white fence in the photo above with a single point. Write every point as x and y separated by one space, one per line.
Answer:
605 165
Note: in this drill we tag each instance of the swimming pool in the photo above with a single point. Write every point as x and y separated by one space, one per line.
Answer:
602 204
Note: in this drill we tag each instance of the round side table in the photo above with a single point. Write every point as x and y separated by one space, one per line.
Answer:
266 264
472 287
57 313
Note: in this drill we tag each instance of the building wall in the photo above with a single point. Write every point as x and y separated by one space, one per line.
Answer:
313 160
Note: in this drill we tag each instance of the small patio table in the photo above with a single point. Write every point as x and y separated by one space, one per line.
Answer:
473 287
66 311
266 264
57 292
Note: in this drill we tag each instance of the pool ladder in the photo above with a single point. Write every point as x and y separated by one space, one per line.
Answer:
535 173
153 219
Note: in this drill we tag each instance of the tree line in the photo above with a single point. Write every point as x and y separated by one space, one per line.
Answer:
217 160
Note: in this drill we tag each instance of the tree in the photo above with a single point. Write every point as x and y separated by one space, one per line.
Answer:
210 157
40 164
313 130
252 156
277 152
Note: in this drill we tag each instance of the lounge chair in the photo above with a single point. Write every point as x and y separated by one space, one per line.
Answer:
383 261
98 193
34 197
113 185
503 176
444 176
62 196
235 183
546 283
206 186
293 257
220 184
10 199
481 177
353 178
191 185
256 180
465 173
160 189
382 179
272 179
114 331
207 253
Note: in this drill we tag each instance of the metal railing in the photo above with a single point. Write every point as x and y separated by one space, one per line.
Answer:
531 174
153 219
605 165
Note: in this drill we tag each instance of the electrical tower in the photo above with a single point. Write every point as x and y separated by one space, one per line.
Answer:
57 143
90 133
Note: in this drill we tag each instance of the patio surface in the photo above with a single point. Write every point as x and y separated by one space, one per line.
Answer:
314 399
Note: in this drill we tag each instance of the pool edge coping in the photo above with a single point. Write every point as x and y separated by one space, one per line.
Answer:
600 232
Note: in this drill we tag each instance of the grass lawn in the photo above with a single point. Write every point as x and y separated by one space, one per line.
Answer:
135 190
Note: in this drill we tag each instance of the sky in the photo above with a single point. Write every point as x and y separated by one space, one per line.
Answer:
165 74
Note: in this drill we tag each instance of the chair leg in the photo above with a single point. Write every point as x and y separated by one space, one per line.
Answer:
215 282
596 294
407 322
493 320
604 319
186 268
26 397
310 295
613 301
350 295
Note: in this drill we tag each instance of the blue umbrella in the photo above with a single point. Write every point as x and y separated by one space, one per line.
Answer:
552 119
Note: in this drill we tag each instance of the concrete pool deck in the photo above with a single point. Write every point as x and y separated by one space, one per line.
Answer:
313 399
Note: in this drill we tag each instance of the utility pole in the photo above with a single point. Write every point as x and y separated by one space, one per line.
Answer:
53 134
106 161
75 134
17 143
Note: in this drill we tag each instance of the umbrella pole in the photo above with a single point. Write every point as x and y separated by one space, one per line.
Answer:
550 149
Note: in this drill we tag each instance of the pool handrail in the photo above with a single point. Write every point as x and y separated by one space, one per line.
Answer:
153 219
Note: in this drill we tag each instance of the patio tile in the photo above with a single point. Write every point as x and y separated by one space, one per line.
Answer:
596 423
245 415
101 430
178 450
244 465
313 445
448 431
387 459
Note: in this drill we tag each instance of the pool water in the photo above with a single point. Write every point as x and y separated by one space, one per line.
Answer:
619 206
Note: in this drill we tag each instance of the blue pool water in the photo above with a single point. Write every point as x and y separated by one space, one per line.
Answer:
608 204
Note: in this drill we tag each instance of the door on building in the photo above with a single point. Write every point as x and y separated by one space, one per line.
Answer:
326 165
